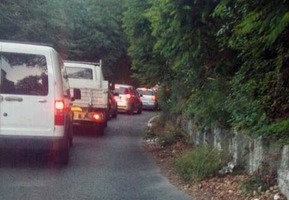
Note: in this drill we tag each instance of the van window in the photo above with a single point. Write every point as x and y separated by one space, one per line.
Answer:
79 73
24 74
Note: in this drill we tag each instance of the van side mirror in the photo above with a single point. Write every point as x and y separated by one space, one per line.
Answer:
75 94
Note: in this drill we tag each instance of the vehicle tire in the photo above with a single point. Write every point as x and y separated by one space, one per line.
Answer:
98 129
139 111
63 155
71 132
114 115
130 112
104 124
71 141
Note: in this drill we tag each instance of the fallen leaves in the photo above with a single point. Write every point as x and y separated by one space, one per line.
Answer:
217 188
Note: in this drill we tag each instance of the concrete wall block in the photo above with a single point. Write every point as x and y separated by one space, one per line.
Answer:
255 155
217 138
283 172
251 153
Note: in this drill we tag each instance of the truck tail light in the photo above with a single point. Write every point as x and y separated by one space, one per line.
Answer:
59 112
98 117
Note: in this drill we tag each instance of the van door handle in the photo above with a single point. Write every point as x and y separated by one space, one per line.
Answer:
19 99
41 100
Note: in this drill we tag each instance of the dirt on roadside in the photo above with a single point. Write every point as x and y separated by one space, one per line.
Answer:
218 188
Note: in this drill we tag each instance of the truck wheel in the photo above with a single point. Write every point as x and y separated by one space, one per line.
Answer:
100 129
104 124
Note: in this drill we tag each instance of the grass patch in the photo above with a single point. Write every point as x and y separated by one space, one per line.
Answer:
166 132
200 163
262 180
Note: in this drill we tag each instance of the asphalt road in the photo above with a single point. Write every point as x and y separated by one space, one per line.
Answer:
110 167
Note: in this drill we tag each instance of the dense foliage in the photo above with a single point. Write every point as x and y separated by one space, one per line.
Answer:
224 63
85 30
258 31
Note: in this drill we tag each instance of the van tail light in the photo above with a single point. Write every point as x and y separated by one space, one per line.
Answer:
59 112
153 97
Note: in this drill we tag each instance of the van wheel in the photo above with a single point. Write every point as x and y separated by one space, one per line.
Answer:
71 141
63 155
71 131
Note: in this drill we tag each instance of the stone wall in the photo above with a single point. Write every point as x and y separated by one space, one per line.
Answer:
253 154
283 172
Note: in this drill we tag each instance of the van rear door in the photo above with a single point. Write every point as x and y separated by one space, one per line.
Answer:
26 94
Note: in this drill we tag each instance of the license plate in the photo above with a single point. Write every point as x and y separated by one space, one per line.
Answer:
78 115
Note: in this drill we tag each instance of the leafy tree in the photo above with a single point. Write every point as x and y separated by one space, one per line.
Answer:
258 31
149 66
225 63
95 32
86 30
185 37
35 21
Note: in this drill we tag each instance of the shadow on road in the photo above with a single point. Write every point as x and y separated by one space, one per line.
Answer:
27 159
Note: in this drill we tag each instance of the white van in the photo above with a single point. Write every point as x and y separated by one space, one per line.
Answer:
35 99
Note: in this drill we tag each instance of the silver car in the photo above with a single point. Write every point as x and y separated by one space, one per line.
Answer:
148 98
128 99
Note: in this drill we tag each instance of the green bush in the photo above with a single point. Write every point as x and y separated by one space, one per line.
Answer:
200 163
264 178
170 133
168 138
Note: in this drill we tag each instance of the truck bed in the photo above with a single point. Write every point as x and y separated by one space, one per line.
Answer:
96 98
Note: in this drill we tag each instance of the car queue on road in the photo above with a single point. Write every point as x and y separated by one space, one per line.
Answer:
43 98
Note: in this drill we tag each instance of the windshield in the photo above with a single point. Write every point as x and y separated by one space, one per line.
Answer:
122 90
145 92
79 73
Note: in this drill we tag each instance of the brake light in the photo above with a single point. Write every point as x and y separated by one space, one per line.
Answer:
128 96
96 117
59 105
59 113
153 97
